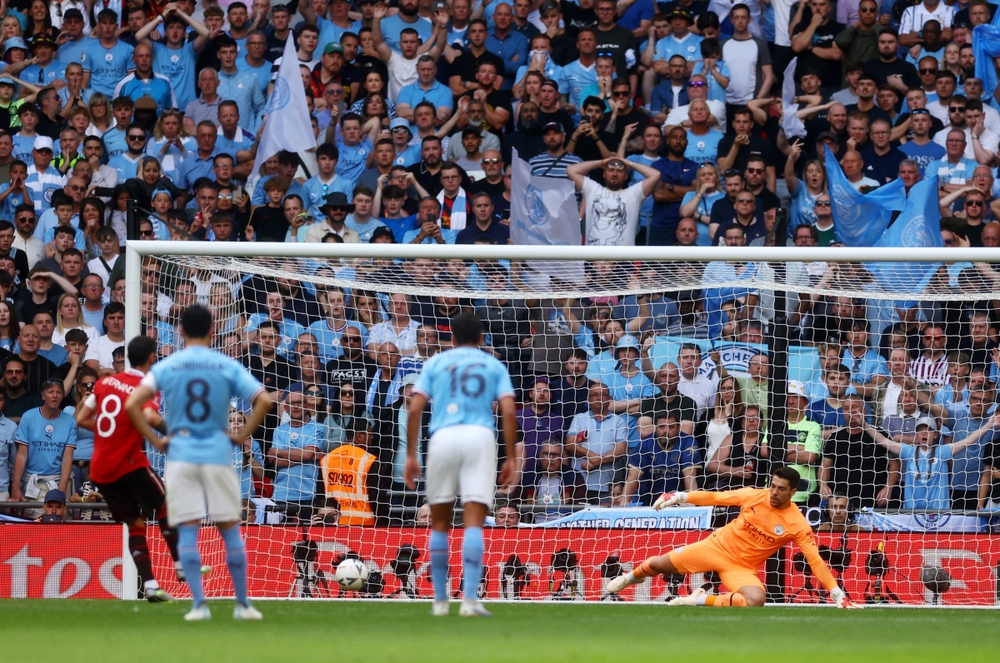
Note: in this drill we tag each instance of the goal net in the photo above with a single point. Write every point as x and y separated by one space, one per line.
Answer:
638 371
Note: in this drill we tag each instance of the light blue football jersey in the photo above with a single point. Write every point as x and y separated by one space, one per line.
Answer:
462 385
197 385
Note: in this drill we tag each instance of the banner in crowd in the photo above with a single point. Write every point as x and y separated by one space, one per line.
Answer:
860 219
84 561
544 211
924 522
287 126
692 517
918 226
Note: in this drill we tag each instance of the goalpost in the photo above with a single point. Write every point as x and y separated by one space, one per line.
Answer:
784 323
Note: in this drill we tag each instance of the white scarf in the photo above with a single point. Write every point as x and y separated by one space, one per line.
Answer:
459 214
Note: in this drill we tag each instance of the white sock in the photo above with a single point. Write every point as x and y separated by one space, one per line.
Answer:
701 599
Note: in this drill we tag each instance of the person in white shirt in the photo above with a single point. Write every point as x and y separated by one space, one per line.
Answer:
980 143
912 22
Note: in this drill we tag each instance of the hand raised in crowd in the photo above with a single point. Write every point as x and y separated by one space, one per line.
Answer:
380 11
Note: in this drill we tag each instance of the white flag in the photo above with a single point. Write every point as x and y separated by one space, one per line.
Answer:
543 210
287 126
789 121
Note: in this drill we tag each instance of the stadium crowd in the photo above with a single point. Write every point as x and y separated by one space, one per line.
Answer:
418 108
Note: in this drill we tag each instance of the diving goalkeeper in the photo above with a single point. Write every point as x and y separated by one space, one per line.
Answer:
767 521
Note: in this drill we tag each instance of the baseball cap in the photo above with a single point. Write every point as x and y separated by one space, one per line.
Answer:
43 143
55 496
553 126
828 135
540 378
400 122
39 40
926 421
796 388
333 47
7 80
72 13
159 191
548 82
145 103
383 231
680 13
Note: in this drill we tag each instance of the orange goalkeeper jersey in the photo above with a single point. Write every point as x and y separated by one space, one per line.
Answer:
760 530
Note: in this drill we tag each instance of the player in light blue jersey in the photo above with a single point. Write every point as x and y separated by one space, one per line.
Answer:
463 384
198 384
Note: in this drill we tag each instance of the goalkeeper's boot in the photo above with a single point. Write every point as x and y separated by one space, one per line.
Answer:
616 585
246 613
690 599
473 609
199 613
440 609
158 596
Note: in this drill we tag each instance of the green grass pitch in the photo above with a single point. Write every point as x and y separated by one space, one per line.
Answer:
108 631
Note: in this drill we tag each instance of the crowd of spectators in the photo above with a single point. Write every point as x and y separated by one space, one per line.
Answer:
418 107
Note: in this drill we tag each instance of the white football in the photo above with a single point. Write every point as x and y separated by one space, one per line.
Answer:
351 574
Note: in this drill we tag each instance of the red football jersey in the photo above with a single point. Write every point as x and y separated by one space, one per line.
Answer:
118 446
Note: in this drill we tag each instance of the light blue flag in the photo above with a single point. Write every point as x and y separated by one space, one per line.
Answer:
986 47
859 219
544 210
919 225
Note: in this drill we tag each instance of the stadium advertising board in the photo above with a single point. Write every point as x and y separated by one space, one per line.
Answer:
533 564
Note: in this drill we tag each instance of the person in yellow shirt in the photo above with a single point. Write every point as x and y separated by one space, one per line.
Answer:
768 520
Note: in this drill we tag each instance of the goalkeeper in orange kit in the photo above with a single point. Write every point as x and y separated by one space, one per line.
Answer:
768 520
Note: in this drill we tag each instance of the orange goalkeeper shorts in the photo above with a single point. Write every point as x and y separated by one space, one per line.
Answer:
705 555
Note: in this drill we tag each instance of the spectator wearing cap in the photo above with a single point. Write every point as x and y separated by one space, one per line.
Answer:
54 508
805 443
8 105
628 385
45 69
925 464
405 152
144 82
681 41
42 180
335 209
45 439
108 59
486 229
549 106
554 161
472 141
508 43
426 88
73 25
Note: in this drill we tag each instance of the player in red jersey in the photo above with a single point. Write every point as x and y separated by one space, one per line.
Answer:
119 466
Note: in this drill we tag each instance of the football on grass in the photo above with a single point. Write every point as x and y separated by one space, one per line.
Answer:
351 574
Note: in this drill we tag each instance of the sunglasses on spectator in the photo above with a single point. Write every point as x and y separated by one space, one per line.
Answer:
605 54
956 109
148 231
755 171
621 93
491 162
314 393
932 70
867 10
225 196
744 201
976 203
822 203
133 137
89 386
697 83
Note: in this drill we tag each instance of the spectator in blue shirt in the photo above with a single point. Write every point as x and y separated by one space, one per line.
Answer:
510 45
427 88
108 59
668 460
239 86
143 82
